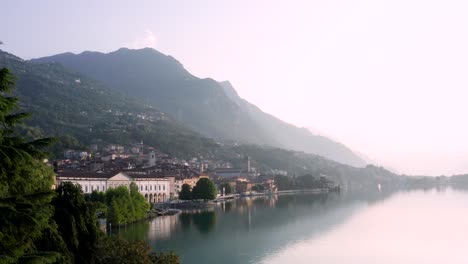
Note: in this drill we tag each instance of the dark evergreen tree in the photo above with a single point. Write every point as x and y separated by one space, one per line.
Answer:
76 219
25 189
205 189
31 231
185 193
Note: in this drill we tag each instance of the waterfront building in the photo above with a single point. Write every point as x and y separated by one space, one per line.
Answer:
243 185
154 188
192 181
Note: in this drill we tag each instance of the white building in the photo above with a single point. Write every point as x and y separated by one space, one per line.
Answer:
155 189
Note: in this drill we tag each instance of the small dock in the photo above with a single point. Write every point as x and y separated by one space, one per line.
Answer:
226 197
161 212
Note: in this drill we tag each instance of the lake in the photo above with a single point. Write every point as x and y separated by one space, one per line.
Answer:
400 227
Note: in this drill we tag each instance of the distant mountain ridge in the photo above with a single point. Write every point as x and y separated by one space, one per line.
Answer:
211 108
80 111
68 104
294 137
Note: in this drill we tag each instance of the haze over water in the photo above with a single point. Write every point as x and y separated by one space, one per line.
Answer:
406 227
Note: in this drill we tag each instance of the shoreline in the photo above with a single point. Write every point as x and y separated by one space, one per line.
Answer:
178 204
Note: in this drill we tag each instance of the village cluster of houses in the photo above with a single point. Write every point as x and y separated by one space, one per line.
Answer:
158 176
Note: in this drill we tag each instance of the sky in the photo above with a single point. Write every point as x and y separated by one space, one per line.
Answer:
387 78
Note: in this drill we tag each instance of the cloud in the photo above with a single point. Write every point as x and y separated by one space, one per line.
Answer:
149 40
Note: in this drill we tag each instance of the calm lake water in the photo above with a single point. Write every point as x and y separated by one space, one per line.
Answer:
403 227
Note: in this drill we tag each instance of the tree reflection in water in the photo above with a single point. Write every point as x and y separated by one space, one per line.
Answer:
205 221
185 220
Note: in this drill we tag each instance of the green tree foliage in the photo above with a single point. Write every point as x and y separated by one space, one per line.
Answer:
125 206
98 199
140 205
117 250
119 205
79 113
258 188
96 196
307 181
64 142
285 183
76 219
186 192
164 258
114 213
227 188
25 188
38 225
205 189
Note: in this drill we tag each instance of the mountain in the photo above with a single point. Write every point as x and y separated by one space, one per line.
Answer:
211 108
82 111
162 80
293 137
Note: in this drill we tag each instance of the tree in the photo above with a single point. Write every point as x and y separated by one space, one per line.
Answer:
119 205
114 213
25 189
258 188
185 193
98 199
285 182
140 205
227 188
164 258
125 206
76 220
38 225
205 189
117 250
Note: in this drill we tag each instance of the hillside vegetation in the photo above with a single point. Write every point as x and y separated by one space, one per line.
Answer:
81 111
211 108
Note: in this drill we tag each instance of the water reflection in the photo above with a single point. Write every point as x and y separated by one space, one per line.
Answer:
204 221
184 219
424 226
136 231
162 227
246 230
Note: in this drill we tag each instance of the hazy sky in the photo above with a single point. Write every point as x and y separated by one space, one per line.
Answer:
387 78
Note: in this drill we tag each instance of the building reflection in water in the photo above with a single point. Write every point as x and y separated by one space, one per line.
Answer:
162 227
244 205
204 221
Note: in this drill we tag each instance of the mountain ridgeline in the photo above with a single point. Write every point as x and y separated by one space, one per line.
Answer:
209 107
80 111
